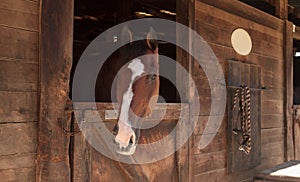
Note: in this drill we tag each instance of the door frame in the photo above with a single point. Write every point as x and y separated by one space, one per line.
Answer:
55 48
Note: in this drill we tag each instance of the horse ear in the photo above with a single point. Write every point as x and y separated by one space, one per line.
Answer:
152 39
126 36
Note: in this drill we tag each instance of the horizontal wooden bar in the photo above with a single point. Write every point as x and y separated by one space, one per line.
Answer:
259 89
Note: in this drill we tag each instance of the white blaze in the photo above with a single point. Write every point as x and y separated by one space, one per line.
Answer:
137 68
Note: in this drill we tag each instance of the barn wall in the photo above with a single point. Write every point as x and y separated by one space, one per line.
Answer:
18 89
215 24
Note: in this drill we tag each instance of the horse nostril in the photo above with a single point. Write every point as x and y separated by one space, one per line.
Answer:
115 130
131 140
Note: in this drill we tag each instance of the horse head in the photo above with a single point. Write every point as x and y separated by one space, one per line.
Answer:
137 89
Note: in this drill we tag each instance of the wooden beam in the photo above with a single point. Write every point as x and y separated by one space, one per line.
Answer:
56 38
245 11
281 9
288 57
185 12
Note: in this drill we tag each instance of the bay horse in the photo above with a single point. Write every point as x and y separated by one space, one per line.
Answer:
137 89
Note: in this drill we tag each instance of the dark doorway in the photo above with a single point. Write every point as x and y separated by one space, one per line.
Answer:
91 18
296 72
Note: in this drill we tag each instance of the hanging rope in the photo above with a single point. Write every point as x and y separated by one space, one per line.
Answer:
244 111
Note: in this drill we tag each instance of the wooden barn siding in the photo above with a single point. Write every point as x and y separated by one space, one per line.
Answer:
18 89
215 26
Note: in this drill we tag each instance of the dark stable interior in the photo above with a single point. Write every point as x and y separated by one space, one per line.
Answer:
296 73
93 17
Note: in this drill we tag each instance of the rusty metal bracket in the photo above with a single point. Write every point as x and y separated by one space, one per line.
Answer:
71 110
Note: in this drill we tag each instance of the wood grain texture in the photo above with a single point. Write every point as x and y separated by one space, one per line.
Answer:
18 89
18 106
18 174
281 9
55 65
215 21
19 20
18 44
250 75
19 138
89 164
17 161
18 76
210 161
296 132
25 6
247 12
288 74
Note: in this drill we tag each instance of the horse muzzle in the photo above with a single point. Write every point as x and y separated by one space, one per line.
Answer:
126 140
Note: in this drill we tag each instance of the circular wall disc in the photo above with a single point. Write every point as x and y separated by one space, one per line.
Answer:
241 41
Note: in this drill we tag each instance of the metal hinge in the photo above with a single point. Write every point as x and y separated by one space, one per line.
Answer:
70 112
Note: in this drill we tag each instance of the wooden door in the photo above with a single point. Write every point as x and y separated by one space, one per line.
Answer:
91 165
296 130
250 75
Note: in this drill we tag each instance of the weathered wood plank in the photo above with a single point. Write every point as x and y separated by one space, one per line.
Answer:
103 169
185 14
161 111
17 76
297 141
17 161
288 75
18 174
272 121
281 9
274 94
19 20
205 11
25 6
206 111
202 124
81 159
217 144
213 34
55 65
242 10
18 138
268 65
209 162
19 44
18 106
211 176
272 149
99 168
272 135
244 74
272 107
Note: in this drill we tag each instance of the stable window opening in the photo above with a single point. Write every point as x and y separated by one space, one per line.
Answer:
91 18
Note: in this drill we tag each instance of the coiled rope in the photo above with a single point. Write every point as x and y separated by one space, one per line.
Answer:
244 111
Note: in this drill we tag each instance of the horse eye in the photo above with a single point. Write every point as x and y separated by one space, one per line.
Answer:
153 77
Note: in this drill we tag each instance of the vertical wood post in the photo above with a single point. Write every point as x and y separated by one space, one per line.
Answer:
288 62
281 9
185 11
56 38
